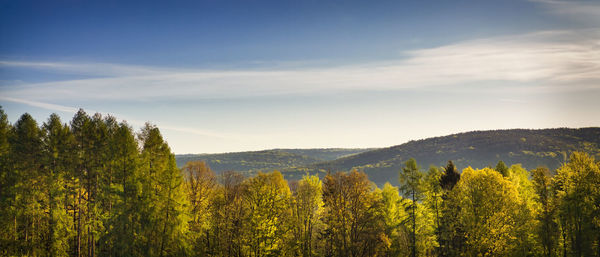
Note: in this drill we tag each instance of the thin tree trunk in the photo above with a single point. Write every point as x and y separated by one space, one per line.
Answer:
79 223
414 234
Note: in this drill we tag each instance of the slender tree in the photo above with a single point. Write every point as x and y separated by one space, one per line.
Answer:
450 235
166 233
57 160
548 228
8 180
411 186
394 215
80 125
29 202
307 208
127 205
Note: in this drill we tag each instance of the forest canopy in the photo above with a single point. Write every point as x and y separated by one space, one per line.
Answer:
94 187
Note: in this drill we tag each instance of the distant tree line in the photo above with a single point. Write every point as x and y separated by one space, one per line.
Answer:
93 187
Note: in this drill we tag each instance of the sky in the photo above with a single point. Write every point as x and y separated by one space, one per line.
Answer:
226 76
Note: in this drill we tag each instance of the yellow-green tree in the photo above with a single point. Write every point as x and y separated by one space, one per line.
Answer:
228 211
394 216
489 209
166 218
525 223
578 190
201 187
412 186
306 207
124 225
433 198
267 196
547 229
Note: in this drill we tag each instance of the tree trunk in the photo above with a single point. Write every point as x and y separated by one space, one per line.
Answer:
79 223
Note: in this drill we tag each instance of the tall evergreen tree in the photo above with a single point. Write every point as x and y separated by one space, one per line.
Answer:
124 224
165 189
81 128
501 167
57 160
450 233
29 200
8 180
433 197
411 186
450 177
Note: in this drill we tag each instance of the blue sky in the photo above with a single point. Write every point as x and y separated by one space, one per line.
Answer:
222 76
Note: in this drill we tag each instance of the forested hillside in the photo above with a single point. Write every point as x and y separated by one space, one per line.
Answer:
267 160
478 149
94 187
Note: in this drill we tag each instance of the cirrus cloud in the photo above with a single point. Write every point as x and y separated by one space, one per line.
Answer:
540 61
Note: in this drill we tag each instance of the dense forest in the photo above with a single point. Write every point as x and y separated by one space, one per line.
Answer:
280 159
94 187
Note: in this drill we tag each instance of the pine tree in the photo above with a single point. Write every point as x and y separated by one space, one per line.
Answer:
124 224
29 201
8 180
57 160
411 186
501 167
164 188
450 234
81 128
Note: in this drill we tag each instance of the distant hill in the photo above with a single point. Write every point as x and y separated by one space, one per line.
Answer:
267 160
531 148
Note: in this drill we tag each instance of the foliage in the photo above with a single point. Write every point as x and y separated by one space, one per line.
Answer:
93 187
489 212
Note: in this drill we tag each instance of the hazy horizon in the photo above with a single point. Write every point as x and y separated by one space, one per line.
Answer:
227 76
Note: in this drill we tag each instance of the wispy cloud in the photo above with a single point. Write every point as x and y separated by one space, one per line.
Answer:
134 122
550 60
586 11
94 69
47 106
